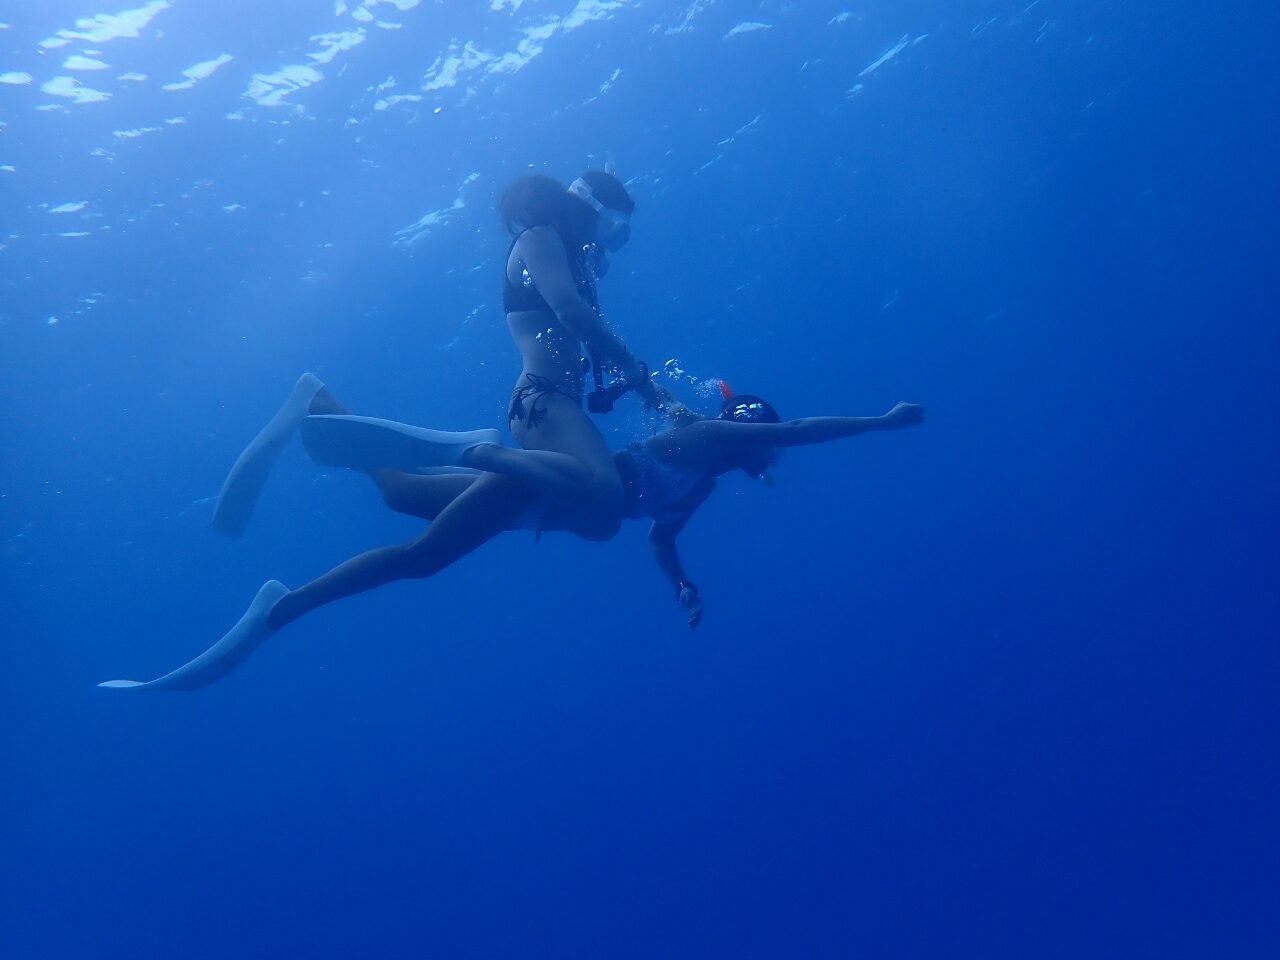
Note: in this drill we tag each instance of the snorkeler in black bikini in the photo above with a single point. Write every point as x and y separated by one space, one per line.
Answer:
561 242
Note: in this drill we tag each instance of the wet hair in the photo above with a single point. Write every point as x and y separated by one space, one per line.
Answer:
539 201
536 200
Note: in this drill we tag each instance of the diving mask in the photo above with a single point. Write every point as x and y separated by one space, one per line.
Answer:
613 227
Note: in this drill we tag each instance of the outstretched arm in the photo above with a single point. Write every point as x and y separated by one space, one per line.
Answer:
662 542
711 441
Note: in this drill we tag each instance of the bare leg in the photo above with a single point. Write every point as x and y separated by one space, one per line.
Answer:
488 506
419 496
587 477
485 509
590 483
554 474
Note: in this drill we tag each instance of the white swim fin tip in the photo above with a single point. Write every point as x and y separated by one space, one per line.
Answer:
249 633
248 475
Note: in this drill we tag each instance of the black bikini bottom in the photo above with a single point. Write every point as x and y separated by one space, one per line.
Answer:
524 399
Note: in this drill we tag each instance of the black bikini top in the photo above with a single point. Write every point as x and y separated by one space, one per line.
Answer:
525 296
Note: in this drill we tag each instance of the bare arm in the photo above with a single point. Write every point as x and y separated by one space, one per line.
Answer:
711 441
662 543
811 430
544 257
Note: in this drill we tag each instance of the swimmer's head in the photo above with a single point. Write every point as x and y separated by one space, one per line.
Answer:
607 196
748 408
535 200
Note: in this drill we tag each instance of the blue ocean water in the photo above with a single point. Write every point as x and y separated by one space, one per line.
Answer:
1003 685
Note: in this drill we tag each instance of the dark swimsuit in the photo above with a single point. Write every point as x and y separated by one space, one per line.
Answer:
525 297
660 491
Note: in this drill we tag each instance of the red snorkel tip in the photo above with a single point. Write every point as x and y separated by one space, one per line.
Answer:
726 391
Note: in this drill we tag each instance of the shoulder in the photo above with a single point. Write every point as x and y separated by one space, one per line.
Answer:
547 261
539 238
687 445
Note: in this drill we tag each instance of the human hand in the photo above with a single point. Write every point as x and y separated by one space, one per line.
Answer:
680 415
661 396
692 604
904 415
647 391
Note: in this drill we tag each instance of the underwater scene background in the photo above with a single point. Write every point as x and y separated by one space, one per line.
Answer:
1003 685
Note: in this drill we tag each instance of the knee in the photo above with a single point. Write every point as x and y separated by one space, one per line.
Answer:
607 491
416 563
396 494
600 519
601 529
604 518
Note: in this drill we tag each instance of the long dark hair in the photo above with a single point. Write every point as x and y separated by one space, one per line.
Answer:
535 200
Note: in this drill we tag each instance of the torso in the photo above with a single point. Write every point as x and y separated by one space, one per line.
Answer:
548 349
658 490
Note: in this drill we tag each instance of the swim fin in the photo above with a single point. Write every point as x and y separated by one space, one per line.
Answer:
247 635
244 483
368 443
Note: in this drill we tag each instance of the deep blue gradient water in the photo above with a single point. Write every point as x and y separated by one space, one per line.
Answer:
1000 686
